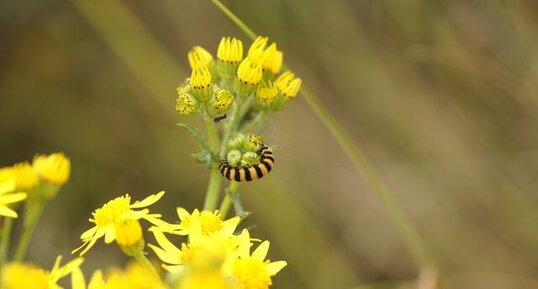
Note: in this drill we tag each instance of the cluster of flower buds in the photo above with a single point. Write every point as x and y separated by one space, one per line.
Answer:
214 85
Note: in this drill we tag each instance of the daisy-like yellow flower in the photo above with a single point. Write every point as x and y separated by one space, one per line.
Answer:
132 277
26 276
205 222
270 58
288 84
199 57
210 239
25 175
54 168
8 184
230 50
118 220
252 270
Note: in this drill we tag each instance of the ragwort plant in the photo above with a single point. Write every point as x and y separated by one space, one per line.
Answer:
233 94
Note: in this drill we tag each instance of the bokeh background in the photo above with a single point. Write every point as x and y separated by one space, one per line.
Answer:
441 95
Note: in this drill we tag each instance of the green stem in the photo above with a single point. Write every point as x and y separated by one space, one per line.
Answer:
235 19
33 212
145 263
260 117
4 241
227 201
213 188
414 243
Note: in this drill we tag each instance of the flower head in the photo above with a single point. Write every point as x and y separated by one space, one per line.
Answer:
118 220
249 72
221 101
186 103
54 168
266 93
252 270
288 84
7 196
25 175
230 50
200 78
199 57
23 276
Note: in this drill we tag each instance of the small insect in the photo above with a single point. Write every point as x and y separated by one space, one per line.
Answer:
248 174
219 118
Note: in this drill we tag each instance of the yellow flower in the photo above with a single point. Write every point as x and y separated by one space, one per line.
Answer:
200 78
116 221
230 50
186 104
206 222
288 84
132 277
273 60
7 186
205 279
221 101
249 72
258 45
269 58
54 168
199 57
210 239
25 175
266 93
26 276
252 270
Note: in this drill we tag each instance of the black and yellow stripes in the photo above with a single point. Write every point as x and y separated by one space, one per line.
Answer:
248 174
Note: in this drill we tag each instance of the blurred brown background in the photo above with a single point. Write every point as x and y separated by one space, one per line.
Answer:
441 95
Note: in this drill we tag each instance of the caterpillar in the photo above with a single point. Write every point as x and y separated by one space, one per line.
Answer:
248 174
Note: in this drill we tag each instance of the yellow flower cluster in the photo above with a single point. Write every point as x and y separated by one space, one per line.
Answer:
18 180
213 256
255 75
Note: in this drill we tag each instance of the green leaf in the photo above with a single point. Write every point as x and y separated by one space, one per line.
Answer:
197 134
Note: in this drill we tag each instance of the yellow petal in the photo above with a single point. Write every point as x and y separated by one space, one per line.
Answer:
12 198
182 213
166 257
7 185
148 201
261 252
166 244
97 281
110 234
77 279
275 267
5 211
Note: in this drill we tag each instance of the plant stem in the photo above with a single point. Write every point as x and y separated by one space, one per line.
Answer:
227 201
145 263
33 212
213 188
414 243
235 19
4 241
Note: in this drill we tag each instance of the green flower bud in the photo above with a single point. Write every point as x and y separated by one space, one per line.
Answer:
234 157
186 104
220 102
236 142
253 143
249 159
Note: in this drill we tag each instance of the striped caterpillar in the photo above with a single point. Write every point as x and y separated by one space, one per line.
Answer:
253 172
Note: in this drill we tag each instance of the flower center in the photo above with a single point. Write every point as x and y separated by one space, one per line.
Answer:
251 273
113 212
19 276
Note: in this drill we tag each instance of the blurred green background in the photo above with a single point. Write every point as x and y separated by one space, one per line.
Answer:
441 95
